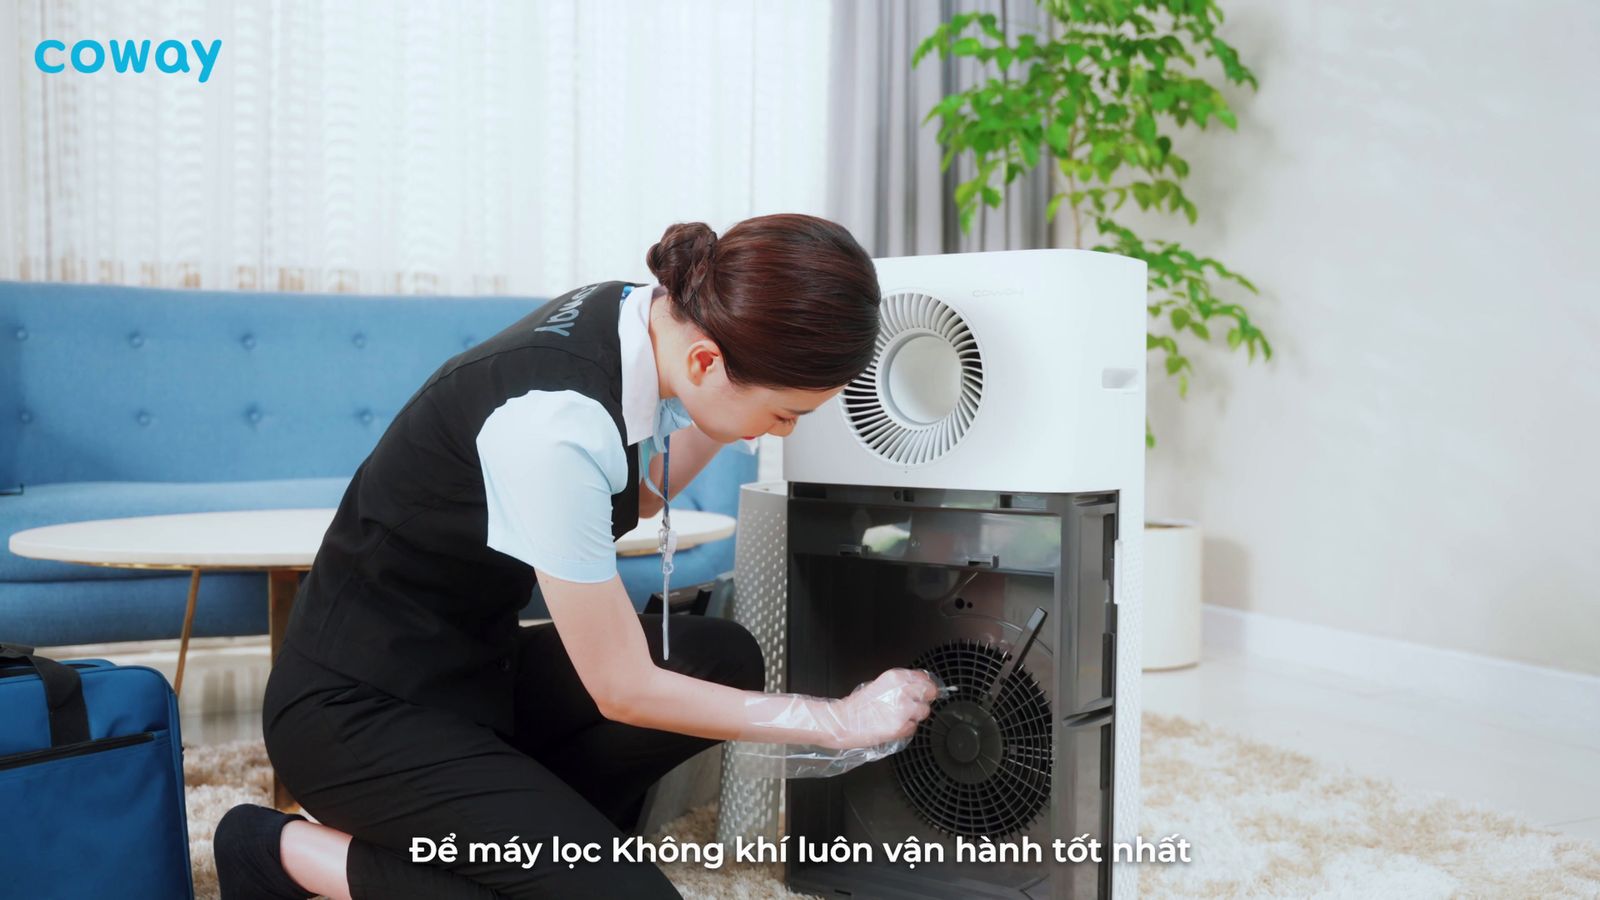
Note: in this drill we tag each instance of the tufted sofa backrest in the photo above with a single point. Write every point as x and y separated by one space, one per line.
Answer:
104 383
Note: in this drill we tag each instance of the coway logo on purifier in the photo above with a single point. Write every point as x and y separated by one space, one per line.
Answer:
560 321
90 56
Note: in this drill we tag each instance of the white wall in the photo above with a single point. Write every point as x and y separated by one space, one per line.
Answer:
1413 189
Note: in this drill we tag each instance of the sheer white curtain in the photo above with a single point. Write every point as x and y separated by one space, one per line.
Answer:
418 147
886 185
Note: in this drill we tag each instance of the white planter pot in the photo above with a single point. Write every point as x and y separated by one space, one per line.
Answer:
1171 594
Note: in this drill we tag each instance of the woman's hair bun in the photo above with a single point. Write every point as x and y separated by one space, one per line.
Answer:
682 261
790 299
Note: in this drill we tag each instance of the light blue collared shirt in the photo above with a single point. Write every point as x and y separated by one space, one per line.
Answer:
552 460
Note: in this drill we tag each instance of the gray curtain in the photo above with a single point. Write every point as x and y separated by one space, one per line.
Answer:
884 179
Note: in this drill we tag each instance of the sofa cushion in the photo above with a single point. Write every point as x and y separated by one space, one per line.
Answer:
112 383
53 504
127 608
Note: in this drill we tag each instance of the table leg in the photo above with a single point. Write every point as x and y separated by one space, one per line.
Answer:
281 587
281 799
188 626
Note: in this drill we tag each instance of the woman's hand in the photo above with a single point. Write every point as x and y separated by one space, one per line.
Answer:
885 709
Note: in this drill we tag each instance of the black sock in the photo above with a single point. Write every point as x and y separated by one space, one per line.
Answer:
245 847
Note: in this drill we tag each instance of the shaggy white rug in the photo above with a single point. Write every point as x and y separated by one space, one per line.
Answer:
1262 822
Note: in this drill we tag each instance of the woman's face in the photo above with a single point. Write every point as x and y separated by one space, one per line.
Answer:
727 412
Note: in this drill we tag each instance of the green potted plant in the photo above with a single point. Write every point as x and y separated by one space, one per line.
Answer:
1100 97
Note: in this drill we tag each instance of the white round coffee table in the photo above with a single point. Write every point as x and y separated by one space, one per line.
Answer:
280 542
691 525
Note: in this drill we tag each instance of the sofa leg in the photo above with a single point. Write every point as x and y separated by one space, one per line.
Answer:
188 626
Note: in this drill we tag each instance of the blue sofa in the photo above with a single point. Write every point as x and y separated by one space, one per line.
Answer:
120 401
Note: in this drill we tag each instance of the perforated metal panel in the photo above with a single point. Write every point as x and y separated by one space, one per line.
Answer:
751 805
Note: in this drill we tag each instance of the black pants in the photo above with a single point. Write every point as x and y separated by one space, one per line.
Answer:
385 770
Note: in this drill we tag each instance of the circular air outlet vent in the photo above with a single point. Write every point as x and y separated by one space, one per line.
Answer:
922 391
979 767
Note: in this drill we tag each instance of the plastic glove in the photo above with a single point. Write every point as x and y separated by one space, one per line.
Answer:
781 761
885 709
877 719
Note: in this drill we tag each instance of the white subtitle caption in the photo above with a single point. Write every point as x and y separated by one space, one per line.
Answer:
909 852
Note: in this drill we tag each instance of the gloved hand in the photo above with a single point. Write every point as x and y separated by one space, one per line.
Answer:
882 711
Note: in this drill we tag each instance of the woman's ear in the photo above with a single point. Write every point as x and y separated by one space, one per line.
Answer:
704 359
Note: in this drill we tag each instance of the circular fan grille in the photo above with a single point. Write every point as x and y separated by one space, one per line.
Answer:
977 767
921 393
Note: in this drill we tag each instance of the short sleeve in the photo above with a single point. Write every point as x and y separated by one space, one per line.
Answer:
551 462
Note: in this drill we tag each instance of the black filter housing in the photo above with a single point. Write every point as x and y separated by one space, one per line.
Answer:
1008 598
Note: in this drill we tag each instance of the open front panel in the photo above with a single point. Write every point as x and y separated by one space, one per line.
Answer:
1020 749
964 555
1091 740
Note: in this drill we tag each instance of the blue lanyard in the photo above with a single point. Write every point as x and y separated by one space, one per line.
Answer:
666 539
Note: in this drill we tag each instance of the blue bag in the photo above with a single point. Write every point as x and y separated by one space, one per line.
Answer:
91 781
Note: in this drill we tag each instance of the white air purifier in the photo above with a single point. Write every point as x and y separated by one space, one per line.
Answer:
973 504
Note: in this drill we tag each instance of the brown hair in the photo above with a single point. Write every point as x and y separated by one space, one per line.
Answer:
791 300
